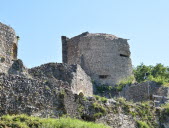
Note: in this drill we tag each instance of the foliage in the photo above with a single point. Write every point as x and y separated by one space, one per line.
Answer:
99 108
104 88
125 82
142 111
142 124
164 111
165 108
98 115
18 38
99 98
24 121
158 73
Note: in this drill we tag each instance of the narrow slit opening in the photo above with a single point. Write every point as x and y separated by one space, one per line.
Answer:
124 55
103 76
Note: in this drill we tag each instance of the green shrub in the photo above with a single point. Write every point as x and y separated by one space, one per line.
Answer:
103 88
158 73
98 115
99 98
125 82
165 109
142 124
99 108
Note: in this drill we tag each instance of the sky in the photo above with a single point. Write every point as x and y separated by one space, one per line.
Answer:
41 23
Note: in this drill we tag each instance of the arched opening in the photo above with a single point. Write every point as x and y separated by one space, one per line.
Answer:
14 51
2 59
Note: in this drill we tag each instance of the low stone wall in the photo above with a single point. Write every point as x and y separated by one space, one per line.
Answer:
144 91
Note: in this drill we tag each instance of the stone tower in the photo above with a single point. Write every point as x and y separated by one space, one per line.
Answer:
8 47
104 57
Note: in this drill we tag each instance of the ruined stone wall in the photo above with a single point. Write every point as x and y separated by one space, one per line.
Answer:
37 97
21 95
33 97
144 91
104 57
8 47
72 74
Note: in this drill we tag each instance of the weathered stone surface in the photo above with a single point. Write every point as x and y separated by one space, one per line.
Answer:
104 57
38 97
8 47
22 95
144 91
54 89
165 122
118 121
18 68
72 74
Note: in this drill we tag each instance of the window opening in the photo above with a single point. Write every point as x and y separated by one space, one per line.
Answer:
103 76
124 55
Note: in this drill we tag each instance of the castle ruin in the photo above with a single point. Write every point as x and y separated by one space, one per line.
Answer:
8 47
72 77
104 57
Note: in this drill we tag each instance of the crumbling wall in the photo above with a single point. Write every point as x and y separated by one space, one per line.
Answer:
144 91
118 120
33 97
38 97
72 74
8 47
104 57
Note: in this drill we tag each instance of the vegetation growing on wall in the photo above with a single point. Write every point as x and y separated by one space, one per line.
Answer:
164 112
143 113
125 82
107 88
142 124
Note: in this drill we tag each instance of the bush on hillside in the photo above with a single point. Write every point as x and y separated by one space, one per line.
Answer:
158 73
